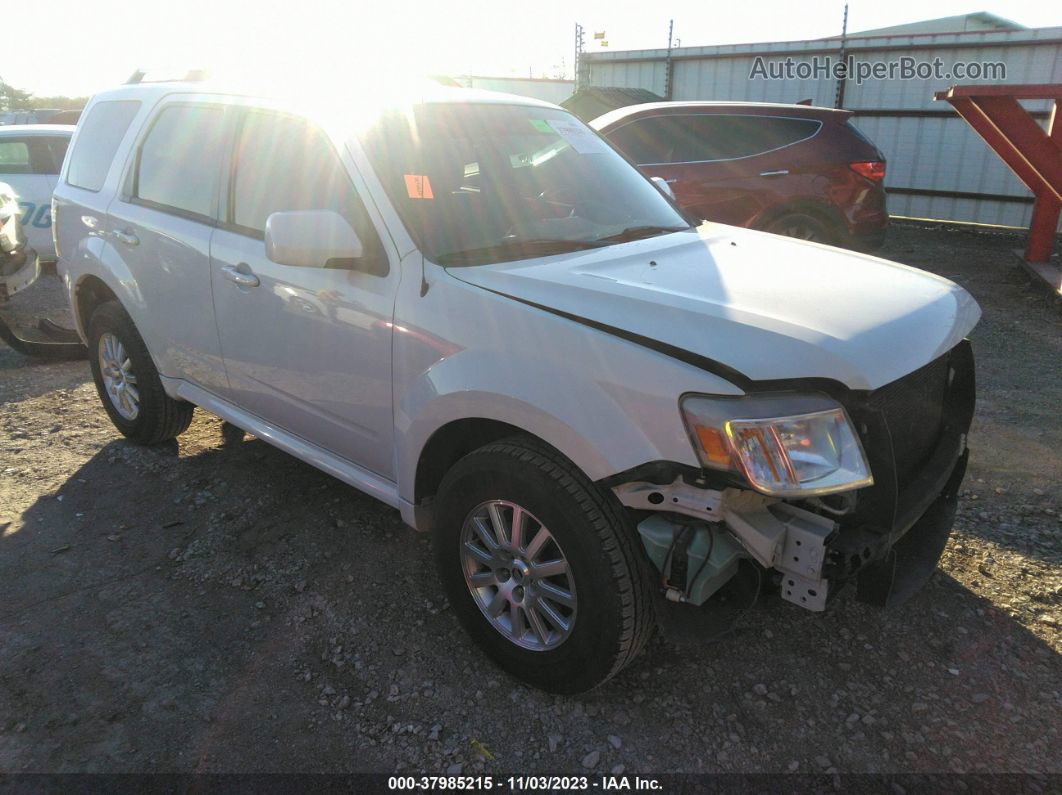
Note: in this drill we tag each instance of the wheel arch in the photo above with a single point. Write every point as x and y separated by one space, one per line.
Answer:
89 293
448 445
820 210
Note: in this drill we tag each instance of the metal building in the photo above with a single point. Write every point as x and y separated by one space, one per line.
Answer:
937 166
550 90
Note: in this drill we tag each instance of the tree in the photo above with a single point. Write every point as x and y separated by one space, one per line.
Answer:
12 98
61 102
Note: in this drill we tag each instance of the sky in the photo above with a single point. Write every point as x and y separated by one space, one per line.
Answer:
77 48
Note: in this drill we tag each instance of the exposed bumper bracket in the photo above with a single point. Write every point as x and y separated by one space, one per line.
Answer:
676 497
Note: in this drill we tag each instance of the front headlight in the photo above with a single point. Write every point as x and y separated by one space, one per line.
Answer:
784 445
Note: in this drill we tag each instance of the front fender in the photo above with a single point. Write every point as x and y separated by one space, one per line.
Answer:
604 425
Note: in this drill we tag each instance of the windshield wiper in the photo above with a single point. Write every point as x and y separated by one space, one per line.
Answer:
639 232
514 249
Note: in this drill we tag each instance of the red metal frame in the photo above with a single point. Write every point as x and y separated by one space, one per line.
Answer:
1033 154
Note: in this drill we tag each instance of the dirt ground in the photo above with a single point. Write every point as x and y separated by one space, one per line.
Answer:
216 605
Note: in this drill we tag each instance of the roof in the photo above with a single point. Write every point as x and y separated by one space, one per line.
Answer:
961 23
37 129
589 103
413 93
804 111
857 42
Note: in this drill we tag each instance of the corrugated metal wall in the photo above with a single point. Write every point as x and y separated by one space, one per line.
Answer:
938 167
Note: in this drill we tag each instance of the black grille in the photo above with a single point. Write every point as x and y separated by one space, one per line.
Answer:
914 411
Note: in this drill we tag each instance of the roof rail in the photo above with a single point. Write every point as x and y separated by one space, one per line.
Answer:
161 76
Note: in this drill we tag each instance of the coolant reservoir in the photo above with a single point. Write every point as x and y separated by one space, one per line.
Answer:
658 532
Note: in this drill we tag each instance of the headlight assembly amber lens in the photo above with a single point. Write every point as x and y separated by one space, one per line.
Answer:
803 454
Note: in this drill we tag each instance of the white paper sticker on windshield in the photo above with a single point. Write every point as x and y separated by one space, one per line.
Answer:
581 138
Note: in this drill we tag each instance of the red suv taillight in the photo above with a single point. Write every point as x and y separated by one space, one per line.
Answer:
873 170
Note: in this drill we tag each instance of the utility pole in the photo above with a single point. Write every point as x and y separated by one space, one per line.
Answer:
838 99
578 62
668 63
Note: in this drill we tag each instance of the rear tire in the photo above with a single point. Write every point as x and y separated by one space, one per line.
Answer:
132 395
803 226
602 593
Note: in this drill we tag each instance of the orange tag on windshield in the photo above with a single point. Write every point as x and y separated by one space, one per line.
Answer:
418 186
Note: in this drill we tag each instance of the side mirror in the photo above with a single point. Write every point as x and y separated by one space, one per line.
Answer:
664 188
310 238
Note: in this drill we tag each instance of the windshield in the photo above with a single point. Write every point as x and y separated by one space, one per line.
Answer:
485 183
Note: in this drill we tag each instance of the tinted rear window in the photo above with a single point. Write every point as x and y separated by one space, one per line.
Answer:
876 153
15 157
701 137
180 159
97 141
57 149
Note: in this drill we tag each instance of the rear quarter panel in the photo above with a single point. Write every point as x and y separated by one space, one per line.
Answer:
80 218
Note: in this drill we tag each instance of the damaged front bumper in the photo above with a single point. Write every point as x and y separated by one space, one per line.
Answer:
888 538
18 271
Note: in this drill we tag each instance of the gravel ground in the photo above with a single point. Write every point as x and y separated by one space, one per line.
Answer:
216 605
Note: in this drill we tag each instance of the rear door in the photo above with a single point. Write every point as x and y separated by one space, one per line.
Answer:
159 230
723 167
306 348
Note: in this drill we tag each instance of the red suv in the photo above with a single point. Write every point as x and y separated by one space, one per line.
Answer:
793 170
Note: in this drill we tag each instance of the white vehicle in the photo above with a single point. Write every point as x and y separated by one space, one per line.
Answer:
471 307
19 263
30 158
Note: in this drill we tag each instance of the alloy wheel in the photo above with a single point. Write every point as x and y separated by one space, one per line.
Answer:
518 575
119 380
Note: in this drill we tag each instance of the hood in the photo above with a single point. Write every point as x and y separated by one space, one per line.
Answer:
766 306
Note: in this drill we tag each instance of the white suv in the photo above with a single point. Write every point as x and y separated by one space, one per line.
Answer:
471 307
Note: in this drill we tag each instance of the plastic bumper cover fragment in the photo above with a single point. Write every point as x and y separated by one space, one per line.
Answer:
21 276
912 560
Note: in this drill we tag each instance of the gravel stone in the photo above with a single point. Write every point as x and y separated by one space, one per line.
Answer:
155 639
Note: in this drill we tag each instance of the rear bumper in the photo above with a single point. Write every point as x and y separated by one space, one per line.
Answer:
866 218
18 274
867 240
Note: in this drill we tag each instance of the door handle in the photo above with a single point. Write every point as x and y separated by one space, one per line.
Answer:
235 275
779 173
126 237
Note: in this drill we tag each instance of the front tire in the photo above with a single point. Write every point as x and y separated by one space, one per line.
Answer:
127 381
541 567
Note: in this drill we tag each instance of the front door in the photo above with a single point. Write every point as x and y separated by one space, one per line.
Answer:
305 348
